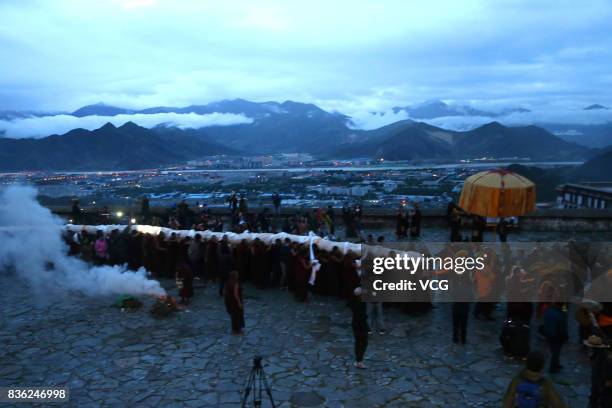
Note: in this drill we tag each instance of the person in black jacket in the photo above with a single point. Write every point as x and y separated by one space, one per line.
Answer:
479 224
226 264
145 211
502 230
360 327
455 226
555 330
276 201
76 212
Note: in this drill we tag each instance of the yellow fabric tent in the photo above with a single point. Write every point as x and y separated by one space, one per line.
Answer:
497 193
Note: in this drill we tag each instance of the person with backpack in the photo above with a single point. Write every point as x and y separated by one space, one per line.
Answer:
531 389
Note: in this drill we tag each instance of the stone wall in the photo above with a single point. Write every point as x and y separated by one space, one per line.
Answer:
583 220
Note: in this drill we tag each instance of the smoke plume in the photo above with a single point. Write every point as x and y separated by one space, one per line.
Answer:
31 247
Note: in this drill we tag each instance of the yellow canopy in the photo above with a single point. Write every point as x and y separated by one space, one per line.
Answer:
497 193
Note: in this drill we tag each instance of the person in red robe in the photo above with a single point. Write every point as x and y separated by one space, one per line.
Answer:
212 259
184 281
242 255
159 255
232 294
302 274
336 260
294 252
259 270
350 277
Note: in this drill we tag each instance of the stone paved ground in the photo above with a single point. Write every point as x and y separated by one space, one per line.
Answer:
124 359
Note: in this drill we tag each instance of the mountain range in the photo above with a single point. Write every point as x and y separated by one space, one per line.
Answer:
236 106
409 140
278 128
127 147
596 135
285 127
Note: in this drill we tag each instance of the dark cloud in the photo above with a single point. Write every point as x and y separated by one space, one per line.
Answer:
351 56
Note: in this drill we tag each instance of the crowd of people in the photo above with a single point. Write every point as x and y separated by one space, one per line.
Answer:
322 221
287 265
459 220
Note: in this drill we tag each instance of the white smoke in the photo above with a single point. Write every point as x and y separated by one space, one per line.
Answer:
31 246
37 127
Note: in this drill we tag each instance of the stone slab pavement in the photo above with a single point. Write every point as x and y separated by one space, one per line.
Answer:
110 358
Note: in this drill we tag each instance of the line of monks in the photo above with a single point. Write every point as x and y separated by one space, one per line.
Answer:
283 264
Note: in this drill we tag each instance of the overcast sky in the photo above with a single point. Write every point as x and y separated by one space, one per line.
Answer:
345 55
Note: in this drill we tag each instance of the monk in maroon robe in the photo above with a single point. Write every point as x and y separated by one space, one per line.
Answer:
184 279
302 274
232 294
350 278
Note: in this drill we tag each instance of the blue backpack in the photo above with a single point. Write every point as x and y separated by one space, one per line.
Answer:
528 394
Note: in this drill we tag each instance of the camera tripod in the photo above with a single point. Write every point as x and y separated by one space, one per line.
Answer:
257 382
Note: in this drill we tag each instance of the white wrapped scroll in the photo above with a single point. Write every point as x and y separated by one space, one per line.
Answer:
267 238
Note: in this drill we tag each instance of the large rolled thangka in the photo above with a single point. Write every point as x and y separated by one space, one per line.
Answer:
267 238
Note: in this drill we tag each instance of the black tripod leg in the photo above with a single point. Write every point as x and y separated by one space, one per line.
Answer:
248 387
260 390
268 390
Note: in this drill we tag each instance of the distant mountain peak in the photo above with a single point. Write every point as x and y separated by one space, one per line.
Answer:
99 109
293 104
433 102
108 126
129 125
596 106
98 105
495 125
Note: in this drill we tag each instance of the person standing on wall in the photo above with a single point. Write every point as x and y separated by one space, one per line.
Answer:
276 201
415 222
76 212
502 230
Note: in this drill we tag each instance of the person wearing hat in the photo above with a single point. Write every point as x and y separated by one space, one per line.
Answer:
360 327
599 311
